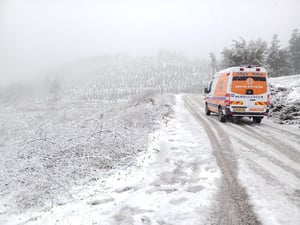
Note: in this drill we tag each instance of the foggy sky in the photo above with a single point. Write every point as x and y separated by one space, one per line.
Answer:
37 35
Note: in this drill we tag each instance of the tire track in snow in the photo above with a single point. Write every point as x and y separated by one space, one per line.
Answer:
268 127
293 195
280 146
233 206
254 159
252 149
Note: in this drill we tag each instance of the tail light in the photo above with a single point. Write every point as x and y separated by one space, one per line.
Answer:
268 100
227 99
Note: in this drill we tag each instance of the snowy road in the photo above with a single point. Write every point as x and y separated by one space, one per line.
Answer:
197 171
260 167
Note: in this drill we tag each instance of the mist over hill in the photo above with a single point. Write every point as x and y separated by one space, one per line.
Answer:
115 77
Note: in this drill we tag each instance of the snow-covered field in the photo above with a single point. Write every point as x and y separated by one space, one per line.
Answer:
47 149
173 183
64 133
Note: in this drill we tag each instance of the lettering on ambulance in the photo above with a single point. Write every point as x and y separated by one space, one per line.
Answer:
246 96
241 81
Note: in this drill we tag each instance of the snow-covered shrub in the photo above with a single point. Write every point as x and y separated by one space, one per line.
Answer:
48 150
285 99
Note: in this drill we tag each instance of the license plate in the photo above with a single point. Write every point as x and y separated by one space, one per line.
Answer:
257 109
239 109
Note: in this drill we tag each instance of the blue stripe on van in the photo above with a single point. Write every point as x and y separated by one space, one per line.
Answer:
217 98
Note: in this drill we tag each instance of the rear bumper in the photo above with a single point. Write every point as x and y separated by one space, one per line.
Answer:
246 114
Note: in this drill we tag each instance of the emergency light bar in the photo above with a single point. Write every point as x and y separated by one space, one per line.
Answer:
242 68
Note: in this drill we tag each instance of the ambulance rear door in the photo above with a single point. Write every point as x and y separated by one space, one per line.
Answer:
249 92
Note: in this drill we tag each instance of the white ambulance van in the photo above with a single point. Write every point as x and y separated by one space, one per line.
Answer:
238 92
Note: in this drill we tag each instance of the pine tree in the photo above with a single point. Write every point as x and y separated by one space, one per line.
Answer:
242 53
294 50
213 63
285 65
273 57
227 60
256 52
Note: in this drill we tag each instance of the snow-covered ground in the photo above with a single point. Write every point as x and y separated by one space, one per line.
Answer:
173 183
48 148
92 118
285 99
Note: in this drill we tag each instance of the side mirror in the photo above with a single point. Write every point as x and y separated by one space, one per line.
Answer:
208 87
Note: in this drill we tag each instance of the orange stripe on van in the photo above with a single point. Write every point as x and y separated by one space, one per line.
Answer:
261 103
236 103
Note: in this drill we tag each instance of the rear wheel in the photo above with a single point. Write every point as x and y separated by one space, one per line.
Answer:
207 112
221 116
256 120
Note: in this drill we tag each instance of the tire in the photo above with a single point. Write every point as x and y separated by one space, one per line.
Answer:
256 120
221 116
207 112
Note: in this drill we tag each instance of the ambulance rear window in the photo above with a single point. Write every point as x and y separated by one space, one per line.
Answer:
246 77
